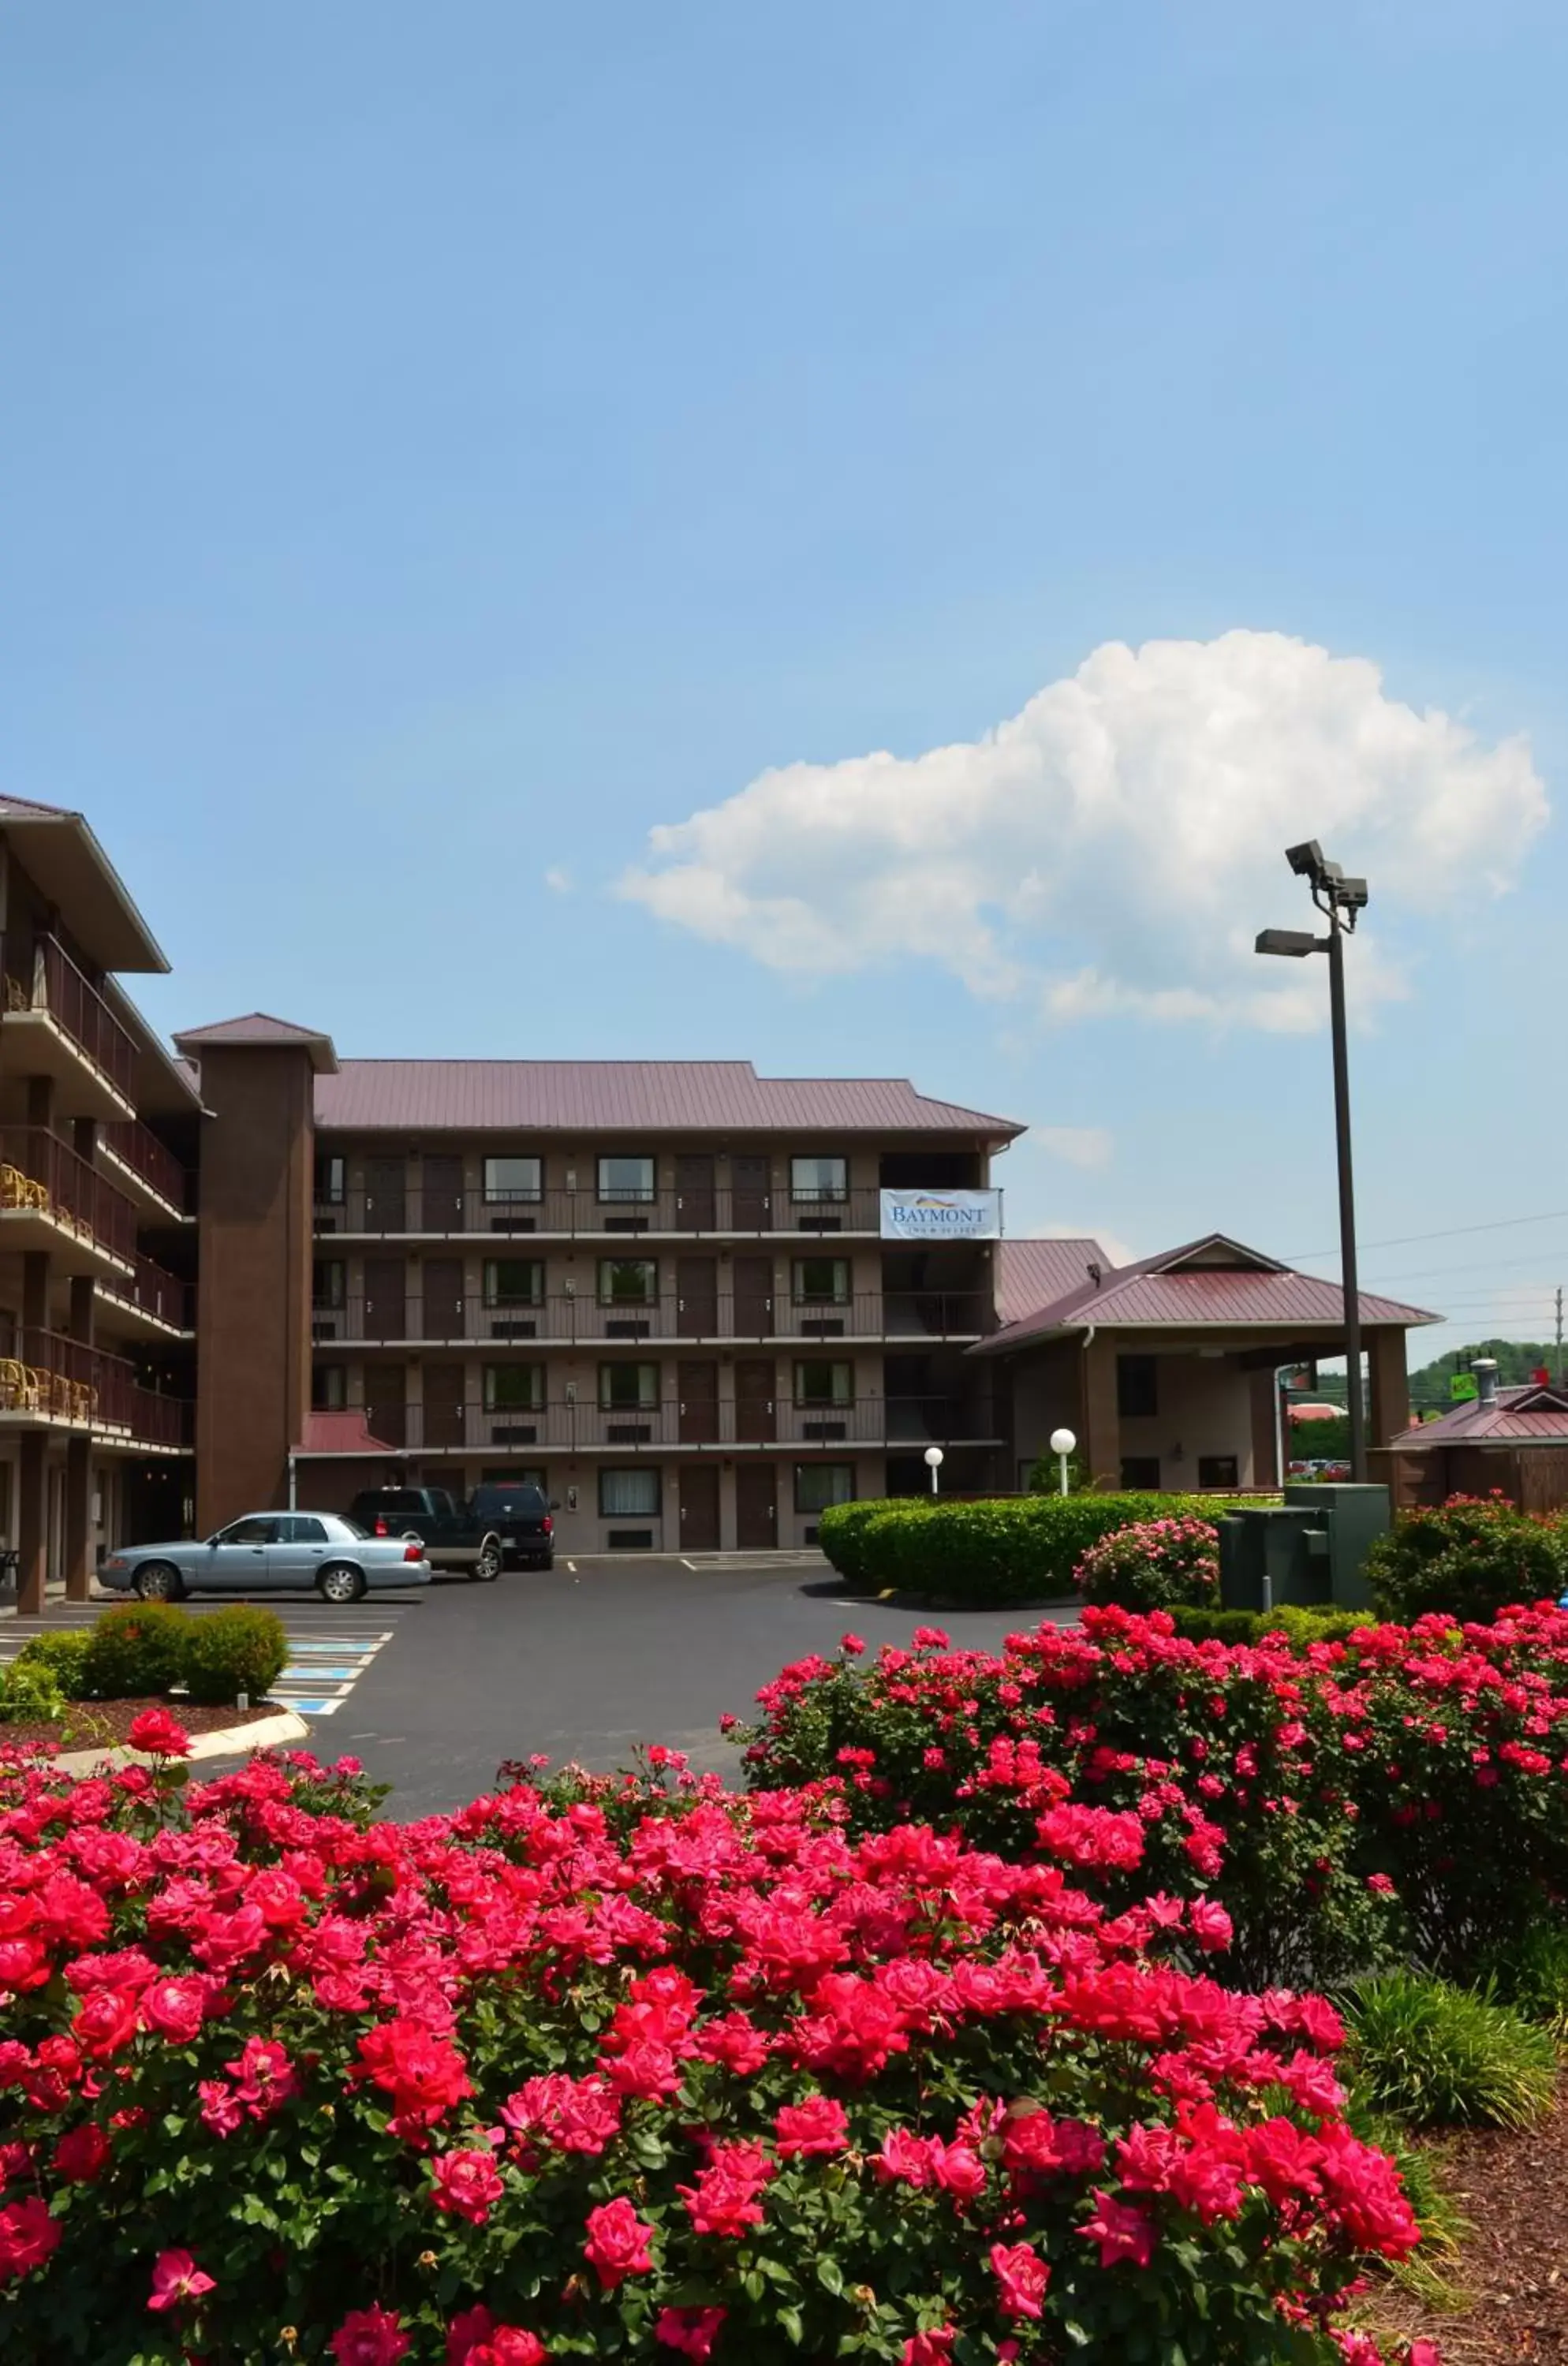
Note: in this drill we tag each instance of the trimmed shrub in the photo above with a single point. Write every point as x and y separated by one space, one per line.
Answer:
1154 1566
1299 1625
1445 2057
240 1649
64 1653
29 1694
996 1552
136 1649
841 1533
1470 1559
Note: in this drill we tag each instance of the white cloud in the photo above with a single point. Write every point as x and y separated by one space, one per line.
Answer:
558 881
1116 846
1117 1250
1080 1145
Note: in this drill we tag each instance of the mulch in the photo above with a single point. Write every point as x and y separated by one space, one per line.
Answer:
1513 2267
100 1725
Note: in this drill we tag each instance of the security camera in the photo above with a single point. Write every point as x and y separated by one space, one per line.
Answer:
1352 894
1305 860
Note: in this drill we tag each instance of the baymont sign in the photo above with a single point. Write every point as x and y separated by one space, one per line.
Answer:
941 1215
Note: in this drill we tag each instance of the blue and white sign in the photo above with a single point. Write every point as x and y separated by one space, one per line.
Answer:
931 1215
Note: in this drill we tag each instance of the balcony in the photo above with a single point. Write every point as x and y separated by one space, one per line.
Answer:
749 1422
53 1202
151 1174
419 1212
51 1382
57 1024
413 1318
149 1302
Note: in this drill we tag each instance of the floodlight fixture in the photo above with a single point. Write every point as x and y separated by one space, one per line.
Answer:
1292 945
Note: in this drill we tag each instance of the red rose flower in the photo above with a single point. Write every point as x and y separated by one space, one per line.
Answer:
176 2278
619 2243
158 1733
370 2336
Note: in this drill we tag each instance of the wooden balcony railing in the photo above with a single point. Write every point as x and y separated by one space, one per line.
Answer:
56 1379
417 1209
157 1292
57 985
693 1421
38 1170
136 1147
449 1320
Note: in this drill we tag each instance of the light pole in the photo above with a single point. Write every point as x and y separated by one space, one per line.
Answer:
934 1460
1062 1443
1340 900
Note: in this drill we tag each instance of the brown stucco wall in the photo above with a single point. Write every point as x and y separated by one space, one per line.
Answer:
253 1310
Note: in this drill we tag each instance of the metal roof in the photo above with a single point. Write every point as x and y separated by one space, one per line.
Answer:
261 1029
65 862
1213 1283
629 1096
1030 1273
1529 1415
341 1433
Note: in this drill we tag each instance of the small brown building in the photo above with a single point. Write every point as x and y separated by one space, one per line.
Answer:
1513 1441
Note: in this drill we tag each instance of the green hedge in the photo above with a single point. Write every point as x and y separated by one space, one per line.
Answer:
135 1651
240 1649
1015 1548
61 1652
1301 1626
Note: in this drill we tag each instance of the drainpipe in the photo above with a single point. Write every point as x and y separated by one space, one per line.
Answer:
1087 1440
1279 1371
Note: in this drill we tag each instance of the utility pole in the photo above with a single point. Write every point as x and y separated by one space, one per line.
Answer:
1560 1377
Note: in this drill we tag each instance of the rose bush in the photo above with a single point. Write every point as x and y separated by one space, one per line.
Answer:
1401 1792
1154 1565
629 2074
1468 1560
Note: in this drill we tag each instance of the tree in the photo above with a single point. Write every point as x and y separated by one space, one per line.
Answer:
1517 1361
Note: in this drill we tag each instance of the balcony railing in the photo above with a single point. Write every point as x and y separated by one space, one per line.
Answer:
58 987
39 1171
450 1319
136 1147
418 1209
157 1419
759 1420
162 1295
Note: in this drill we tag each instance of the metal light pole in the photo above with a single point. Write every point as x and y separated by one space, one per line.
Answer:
1340 900
935 1458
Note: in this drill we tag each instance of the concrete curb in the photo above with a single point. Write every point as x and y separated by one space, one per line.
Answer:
263 1733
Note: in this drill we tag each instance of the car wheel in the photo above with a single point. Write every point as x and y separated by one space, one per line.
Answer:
487 1568
548 1562
340 1583
159 1581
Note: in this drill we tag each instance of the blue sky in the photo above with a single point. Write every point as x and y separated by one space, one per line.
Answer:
444 445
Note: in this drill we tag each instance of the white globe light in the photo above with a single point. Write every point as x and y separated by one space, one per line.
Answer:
934 1457
1062 1441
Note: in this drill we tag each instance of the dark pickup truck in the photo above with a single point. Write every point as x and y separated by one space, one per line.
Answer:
454 1537
521 1518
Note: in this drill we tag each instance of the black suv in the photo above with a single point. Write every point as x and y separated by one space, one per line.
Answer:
520 1516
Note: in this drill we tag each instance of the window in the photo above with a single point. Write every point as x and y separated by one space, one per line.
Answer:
1141 1473
329 1387
817 1484
629 1494
512 1479
624 1386
514 1388
329 1283
514 1281
818 1178
1218 1470
821 1281
249 1532
299 1530
513 1179
1137 1387
331 1179
626 1179
628 1282
824 1384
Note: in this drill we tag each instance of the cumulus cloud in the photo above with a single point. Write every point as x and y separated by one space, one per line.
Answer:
1080 1145
558 881
1114 847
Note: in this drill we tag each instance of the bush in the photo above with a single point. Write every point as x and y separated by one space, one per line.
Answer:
136 1649
842 1532
996 1552
63 1651
239 1650
1531 1974
1298 1624
1469 1560
1154 1566
1445 2057
30 1693
657 2075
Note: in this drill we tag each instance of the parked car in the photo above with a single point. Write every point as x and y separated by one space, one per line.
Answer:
452 1537
521 1517
269 1552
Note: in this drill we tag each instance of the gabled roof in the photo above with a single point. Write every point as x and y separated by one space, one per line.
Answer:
1529 1415
61 855
1210 1283
629 1096
259 1028
1030 1273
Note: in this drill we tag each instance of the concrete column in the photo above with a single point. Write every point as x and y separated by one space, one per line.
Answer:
1265 1434
79 1462
32 1521
1100 1436
1391 1384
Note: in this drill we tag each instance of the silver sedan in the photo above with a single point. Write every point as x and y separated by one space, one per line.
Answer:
269 1552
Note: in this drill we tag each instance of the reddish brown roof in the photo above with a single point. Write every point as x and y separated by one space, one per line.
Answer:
1030 1274
9 804
1213 1283
1525 1415
340 1433
629 1097
258 1026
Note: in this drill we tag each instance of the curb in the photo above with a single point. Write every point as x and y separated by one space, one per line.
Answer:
223 1741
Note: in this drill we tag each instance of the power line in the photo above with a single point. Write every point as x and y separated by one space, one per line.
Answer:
1451 1231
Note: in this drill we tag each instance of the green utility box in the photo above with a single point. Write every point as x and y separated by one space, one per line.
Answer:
1271 1555
1355 1517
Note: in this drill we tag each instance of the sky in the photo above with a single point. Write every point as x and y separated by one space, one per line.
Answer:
849 537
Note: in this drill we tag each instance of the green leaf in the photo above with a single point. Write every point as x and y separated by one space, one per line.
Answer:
830 2276
790 2318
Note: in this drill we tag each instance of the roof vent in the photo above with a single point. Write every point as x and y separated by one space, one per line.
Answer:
1096 1272
1486 1370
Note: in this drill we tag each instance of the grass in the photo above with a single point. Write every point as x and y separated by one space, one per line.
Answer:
1437 2057
1427 2273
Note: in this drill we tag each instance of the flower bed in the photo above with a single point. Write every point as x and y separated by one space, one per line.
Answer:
637 2076
1401 1793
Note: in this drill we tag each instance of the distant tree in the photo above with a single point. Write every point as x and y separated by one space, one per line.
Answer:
1516 1360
